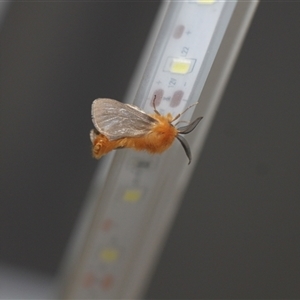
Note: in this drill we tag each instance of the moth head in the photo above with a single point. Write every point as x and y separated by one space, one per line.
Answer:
182 130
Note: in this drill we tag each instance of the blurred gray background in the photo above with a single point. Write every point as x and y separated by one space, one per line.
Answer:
237 232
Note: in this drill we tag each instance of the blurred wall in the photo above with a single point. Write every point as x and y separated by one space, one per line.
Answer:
56 58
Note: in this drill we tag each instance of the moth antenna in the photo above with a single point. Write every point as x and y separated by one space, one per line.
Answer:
185 146
190 127
154 106
179 115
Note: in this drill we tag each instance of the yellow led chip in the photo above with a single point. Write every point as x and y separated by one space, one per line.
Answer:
109 255
206 1
132 195
180 66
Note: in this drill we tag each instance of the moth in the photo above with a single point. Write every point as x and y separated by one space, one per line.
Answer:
119 125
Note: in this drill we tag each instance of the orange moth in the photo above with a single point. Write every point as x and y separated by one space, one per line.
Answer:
119 125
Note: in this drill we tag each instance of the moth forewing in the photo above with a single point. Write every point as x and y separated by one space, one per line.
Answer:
117 120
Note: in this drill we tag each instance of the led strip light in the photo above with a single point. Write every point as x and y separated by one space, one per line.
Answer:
134 197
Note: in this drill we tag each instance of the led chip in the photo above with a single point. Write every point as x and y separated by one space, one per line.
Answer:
132 195
109 254
206 1
180 66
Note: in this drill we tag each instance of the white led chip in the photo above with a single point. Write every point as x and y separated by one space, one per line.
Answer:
206 1
179 65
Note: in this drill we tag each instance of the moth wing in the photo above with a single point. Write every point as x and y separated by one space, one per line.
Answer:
118 120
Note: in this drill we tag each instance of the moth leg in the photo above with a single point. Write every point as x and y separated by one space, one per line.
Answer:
99 145
181 122
97 149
